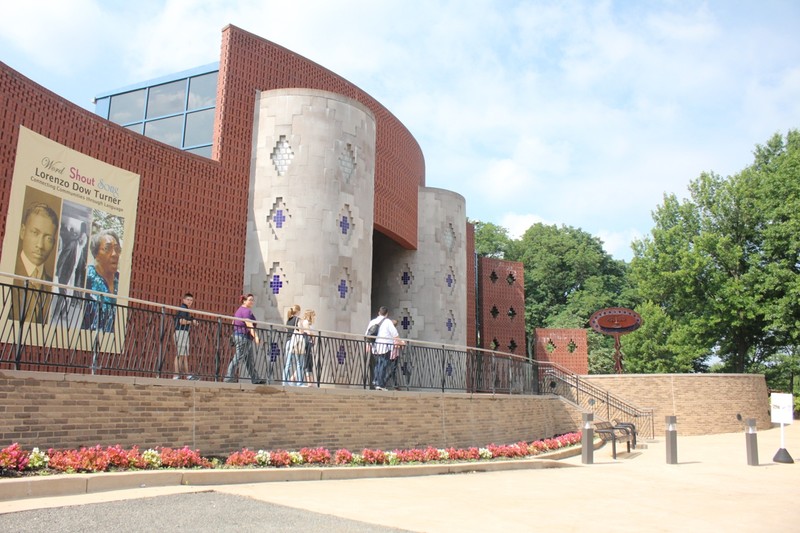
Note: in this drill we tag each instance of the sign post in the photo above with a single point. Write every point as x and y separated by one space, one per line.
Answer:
782 410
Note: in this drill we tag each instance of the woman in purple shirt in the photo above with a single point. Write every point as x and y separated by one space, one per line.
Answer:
245 336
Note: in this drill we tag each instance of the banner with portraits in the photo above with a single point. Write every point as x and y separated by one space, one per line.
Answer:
71 220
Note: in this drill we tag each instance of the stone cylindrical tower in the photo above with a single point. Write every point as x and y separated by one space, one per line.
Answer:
426 289
309 231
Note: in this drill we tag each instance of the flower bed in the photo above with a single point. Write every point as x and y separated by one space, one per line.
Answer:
14 461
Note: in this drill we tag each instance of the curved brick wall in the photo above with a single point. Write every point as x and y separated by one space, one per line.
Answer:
249 63
188 236
184 218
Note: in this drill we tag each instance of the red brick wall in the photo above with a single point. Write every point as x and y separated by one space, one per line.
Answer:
502 304
190 224
249 63
472 330
568 348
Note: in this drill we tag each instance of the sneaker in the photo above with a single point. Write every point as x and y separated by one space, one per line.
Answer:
193 378
379 388
176 377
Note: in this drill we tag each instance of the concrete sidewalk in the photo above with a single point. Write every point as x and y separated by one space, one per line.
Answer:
711 488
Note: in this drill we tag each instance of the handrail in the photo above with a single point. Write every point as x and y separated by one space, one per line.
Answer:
606 406
47 329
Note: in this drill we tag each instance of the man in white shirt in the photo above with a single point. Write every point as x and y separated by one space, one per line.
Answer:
382 346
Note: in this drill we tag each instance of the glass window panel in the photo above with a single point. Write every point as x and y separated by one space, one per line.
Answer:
135 127
204 151
101 106
199 128
203 91
166 99
166 130
127 107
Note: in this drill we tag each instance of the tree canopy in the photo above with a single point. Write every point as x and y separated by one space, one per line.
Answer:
568 276
491 240
718 274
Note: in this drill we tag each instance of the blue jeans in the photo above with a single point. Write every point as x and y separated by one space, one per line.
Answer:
244 353
379 376
294 363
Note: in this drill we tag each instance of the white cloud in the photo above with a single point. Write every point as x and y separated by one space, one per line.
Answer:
576 112
517 224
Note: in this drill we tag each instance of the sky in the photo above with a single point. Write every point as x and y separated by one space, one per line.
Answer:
578 113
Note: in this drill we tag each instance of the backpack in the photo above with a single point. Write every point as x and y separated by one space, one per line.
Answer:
372 332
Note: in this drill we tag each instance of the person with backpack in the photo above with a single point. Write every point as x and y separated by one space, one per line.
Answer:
381 334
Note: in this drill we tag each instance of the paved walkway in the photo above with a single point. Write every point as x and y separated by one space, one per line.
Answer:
710 489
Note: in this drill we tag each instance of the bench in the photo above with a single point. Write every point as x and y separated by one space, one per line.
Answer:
629 425
609 432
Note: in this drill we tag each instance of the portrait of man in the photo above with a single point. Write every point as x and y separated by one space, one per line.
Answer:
38 235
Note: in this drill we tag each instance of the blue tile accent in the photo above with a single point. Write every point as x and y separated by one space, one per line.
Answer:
450 325
344 224
342 288
341 354
276 284
279 218
406 323
274 352
406 277
450 280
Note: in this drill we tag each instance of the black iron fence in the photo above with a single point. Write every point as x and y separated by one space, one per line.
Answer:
48 327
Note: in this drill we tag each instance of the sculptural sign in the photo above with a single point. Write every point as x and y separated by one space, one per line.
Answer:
615 321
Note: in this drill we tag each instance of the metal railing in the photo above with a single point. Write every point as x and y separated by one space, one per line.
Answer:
49 327
605 406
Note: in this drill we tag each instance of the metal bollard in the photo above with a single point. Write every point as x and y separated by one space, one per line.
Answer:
752 442
587 439
672 440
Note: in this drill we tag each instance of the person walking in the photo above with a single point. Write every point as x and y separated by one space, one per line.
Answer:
307 325
385 334
245 337
392 380
183 322
291 369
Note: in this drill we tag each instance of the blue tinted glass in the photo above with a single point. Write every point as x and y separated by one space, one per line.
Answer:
199 128
166 130
166 99
204 151
127 107
203 91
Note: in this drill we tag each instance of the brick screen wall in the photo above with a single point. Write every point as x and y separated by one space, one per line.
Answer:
502 305
189 235
565 347
69 411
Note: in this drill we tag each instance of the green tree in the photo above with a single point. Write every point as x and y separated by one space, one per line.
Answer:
718 274
491 240
568 276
